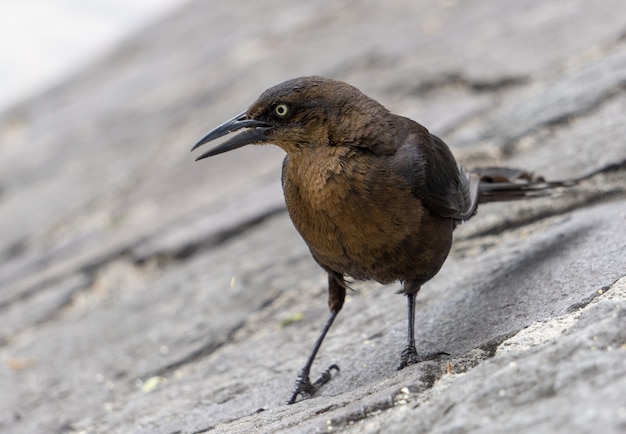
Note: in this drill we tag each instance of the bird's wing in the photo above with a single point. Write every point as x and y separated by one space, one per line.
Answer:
450 191
426 162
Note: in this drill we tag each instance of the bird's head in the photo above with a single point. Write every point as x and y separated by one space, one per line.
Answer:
300 114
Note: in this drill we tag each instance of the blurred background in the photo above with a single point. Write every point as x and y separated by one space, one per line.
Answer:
44 42
129 274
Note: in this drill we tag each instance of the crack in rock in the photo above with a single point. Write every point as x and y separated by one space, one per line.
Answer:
199 353
475 85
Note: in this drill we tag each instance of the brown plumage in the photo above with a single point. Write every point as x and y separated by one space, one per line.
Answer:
374 195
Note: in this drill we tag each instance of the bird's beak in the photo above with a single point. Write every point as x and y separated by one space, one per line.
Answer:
256 134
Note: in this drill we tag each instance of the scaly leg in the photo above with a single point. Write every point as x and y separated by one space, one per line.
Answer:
409 355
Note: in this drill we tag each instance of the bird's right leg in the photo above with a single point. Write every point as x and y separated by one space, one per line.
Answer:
336 297
409 355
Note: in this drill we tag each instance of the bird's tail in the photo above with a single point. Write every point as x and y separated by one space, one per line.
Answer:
499 184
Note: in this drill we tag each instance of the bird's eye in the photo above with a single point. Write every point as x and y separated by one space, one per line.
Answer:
281 110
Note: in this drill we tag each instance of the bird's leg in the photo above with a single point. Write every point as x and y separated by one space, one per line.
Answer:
303 386
409 355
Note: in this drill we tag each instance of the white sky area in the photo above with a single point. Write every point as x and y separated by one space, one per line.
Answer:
42 41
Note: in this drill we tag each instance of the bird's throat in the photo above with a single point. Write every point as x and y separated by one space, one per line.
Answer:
315 178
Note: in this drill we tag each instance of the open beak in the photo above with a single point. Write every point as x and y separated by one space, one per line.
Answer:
256 134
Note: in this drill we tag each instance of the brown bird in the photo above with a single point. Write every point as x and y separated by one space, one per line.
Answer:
373 194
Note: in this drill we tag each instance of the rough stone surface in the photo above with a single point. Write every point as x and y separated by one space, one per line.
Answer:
142 292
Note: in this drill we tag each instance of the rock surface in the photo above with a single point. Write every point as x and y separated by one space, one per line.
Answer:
143 292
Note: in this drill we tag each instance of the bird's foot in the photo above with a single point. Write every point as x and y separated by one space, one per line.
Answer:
305 388
408 357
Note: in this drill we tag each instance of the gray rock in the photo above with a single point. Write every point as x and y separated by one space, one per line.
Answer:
566 374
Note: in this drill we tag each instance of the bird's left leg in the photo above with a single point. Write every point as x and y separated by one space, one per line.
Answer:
409 355
336 297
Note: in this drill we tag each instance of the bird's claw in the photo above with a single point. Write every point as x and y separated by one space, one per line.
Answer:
408 357
305 388
325 377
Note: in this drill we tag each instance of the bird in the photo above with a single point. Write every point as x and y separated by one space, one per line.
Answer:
374 195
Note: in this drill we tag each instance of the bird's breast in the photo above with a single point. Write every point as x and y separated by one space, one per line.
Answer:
356 217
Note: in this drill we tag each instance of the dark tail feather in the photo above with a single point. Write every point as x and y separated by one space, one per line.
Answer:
498 184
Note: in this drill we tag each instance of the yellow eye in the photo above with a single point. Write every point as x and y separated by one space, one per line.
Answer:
281 110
